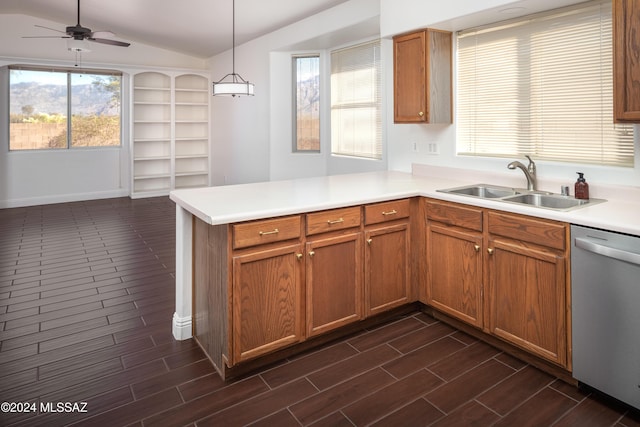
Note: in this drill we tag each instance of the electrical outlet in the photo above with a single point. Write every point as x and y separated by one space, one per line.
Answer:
433 148
414 146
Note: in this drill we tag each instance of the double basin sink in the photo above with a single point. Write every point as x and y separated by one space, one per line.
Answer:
538 199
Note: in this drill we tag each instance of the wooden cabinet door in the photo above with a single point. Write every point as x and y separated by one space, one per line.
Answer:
527 297
454 272
386 266
334 282
267 301
409 73
626 63
422 77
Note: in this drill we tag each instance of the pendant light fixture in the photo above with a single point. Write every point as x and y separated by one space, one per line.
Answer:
233 84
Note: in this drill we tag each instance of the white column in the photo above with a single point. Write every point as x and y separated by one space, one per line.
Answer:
182 318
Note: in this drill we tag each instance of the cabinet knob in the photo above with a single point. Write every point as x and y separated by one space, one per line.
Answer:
311 253
421 114
490 250
477 248
369 241
299 256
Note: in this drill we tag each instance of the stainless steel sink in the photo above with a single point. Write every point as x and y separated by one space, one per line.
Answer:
483 191
551 201
538 199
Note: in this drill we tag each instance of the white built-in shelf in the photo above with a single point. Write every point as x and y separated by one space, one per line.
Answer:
170 132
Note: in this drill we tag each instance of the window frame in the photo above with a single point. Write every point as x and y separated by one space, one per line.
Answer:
68 73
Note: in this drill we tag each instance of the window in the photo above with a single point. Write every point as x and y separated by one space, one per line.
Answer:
356 112
60 109
542 85
306 132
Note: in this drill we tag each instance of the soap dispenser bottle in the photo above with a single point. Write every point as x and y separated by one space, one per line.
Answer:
581 187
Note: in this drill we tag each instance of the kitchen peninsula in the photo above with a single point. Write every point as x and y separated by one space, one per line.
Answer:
290 217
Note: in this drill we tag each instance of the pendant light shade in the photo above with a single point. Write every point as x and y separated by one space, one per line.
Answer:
233 84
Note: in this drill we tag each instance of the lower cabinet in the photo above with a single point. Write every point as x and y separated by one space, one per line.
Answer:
268 301
262 286
454 272
503 273
387 271
387 256
333 282
528 284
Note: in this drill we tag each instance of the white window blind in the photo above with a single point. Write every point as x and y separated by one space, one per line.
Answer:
542 85
356 86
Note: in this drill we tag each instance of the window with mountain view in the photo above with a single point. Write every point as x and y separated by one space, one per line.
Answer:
306 78
61 109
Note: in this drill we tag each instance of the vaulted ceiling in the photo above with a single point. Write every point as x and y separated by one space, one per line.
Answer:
201 28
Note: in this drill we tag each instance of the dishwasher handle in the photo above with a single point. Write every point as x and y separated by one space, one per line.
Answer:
608 251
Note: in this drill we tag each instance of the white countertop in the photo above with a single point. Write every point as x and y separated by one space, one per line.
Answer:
235 203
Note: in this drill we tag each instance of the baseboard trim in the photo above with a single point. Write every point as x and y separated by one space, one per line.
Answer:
182 327
62 198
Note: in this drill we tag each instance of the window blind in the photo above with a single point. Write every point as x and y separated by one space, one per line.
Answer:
542 85
356 87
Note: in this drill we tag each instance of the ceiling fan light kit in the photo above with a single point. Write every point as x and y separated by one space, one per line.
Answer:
74 45
233 84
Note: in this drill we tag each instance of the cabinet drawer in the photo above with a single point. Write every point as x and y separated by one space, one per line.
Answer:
533 230
266 231
336 219
453 214
387 211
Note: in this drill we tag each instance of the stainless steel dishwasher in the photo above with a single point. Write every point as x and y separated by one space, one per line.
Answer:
605 288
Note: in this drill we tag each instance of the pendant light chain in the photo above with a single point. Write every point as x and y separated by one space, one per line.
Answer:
233 37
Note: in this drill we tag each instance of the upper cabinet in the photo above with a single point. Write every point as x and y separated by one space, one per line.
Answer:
422 77
626 64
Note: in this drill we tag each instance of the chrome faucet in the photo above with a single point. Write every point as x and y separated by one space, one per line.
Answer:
529 172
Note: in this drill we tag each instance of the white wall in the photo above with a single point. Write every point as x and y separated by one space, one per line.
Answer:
398 16
252 136
48 176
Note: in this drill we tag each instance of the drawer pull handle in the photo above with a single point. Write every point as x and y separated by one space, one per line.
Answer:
477 248
387 213
369 241
266 233
335 221
311 253
299 256
490 250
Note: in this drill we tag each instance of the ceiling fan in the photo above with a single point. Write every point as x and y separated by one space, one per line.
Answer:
80 33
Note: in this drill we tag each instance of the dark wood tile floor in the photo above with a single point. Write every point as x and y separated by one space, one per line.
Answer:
86 300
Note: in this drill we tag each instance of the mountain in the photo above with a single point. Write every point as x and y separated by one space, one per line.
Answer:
87 99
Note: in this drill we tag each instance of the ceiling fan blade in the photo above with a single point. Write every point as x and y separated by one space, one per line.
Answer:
48 28
46 37
109 41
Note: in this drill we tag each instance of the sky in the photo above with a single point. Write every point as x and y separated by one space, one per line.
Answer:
20 76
